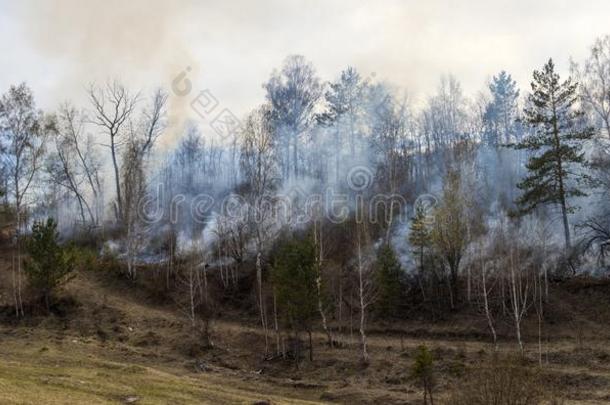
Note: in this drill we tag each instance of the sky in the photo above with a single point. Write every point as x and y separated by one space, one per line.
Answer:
231 47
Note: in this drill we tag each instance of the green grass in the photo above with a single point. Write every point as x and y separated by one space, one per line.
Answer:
52 376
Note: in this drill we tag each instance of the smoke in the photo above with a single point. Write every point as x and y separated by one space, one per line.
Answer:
138 42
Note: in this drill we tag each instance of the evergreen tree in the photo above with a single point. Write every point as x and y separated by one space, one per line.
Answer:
49 264
501 113
423 370
294 277
294 94
345 99
388 277
554 174
420 240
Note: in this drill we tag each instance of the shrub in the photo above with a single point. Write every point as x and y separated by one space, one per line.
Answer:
503 381
49 265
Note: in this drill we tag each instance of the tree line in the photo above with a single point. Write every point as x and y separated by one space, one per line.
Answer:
506 168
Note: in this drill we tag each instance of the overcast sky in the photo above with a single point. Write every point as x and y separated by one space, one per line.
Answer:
59 46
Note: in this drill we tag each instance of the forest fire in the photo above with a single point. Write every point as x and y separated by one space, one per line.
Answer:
358 226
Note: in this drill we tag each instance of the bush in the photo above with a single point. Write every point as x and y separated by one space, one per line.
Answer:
49 265
503 382
388 277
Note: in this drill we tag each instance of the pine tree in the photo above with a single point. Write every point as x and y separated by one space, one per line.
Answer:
49 264
554 176
423 370
419 236
388 277
500 114
294 277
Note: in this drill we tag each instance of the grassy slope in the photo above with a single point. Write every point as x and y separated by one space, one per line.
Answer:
116 345
63 374
113 346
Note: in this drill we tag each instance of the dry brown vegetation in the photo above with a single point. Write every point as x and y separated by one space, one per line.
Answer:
108 341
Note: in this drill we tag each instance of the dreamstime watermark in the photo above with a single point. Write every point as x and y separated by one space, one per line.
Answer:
293 206
427 203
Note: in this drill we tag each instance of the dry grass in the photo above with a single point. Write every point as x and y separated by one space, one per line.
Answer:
116 344
69 374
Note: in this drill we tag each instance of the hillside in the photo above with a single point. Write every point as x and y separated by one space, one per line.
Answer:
108 342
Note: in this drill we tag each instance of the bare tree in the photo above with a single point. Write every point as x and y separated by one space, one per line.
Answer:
393 148
367 293
487 287
142 136
259 167
445 115
319 240
113 106
75 175
519 296
594 81
133 182
195 301
597 236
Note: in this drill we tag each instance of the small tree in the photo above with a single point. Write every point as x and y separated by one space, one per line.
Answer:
388 276
49 264
294 279
420 240
500 114
450 232
594 83
422 370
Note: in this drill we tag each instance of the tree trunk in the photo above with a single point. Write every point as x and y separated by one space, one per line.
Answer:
516 309
276 324
319 285
310 346
323 314
421 272
488 313
259 279
566 225
117 180
295 155
18 300
365 355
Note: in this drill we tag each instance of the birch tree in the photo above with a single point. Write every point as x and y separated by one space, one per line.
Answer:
141 139
113 106
594 81
22 130
73 164
365 285
259 167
